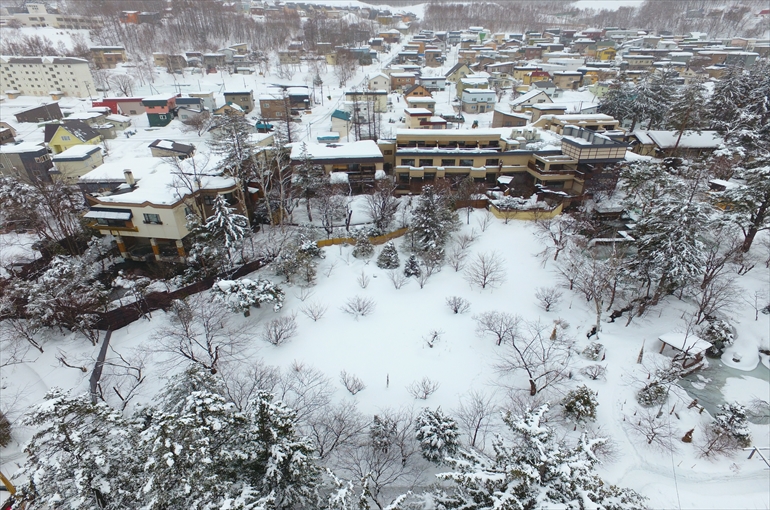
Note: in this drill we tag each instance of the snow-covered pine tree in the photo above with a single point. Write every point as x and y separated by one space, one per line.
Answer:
437 435
688 110
363 248
652 99
412 267
231 139
240 295
82 456
433 219
226 225
618 100
388 257
535 471
750 204
308 178
580 404
732 420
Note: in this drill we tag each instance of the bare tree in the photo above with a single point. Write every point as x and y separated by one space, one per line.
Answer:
594 372
397 278
304 389
715 442
199 331
124 376
336 427
332 207
433 336
199 123
351 382
474 416
423 388
363 279
315 311
358 306
382 204
486 270
545 361
655 430
555 233
456 258
548 297
503 326
279 330
123 83
457 304
485 220
243 379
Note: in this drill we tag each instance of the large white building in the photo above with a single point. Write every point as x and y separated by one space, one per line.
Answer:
39 76
37 15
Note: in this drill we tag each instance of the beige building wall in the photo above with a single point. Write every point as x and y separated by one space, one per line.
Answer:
38 76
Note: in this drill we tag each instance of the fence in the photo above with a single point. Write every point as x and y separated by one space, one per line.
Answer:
125 315
536 214
351 240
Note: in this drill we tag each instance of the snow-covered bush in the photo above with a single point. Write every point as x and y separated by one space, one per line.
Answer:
457 304
279 330
719 334
733 421
594 372
593 351
437 435
388 258
240 295
548 297
358 306
580 404
363 248
351 382
423 388
652 394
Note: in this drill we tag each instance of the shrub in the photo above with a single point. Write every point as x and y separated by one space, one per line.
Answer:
720 335
653 394
580 404
593 351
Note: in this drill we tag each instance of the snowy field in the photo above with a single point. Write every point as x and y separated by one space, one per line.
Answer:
388 351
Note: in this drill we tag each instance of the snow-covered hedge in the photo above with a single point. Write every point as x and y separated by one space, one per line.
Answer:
240 295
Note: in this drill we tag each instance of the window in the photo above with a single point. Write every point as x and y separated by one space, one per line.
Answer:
426 162
407 162
65 138
466 162
208 199
110 223
153 219
448 162
387 152
492 162
187 211
162 117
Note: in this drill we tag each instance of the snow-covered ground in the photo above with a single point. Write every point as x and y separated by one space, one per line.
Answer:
387 350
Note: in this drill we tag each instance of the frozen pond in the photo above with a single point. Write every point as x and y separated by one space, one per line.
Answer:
719 383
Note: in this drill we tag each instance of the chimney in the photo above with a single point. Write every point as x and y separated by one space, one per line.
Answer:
129 175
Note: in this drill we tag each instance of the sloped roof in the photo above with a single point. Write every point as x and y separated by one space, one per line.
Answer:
173 146
339 114
78 129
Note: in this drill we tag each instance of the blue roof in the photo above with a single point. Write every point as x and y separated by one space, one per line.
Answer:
339 114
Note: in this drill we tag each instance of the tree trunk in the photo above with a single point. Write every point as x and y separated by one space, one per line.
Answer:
532 388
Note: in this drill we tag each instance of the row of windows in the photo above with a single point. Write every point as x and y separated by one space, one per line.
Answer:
447 162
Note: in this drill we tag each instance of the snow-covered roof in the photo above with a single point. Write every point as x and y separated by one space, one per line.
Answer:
418 111
118 118
526 97
689 140
156 179
77 152
691 344
20 148
353 150
83 116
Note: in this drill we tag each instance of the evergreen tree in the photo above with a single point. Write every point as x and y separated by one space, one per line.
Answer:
652 99
388 258
433 219
688 110
618 100
412 267
240 295
363 248
308 178
750 204
437 435
732 420
534 472
81 456
206 254
225 226
580 404
231 140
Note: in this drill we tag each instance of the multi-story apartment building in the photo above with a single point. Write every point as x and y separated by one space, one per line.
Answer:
38 76
38 15
108 57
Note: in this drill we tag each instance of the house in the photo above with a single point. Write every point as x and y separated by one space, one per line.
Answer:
42 113
457 72
229 109
213 60
38 76
76 161
274 106
159 109
144 203
422 102
107 57
417 90
548 87
26 161
244 99
590 147
433 57
422 118
171 149
341 122
93 119
524 101
402 81
567 80
478 100
662 143
299 99
379 81
606 53
121 122
121 105
639 62
61 137
207 99
358 161
594 122
474 81
501 118
377 98
538 110
7 133
432 83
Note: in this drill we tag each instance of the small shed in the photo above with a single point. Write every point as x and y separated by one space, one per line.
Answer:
690 346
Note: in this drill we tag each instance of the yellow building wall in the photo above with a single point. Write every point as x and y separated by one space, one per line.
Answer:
60 143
